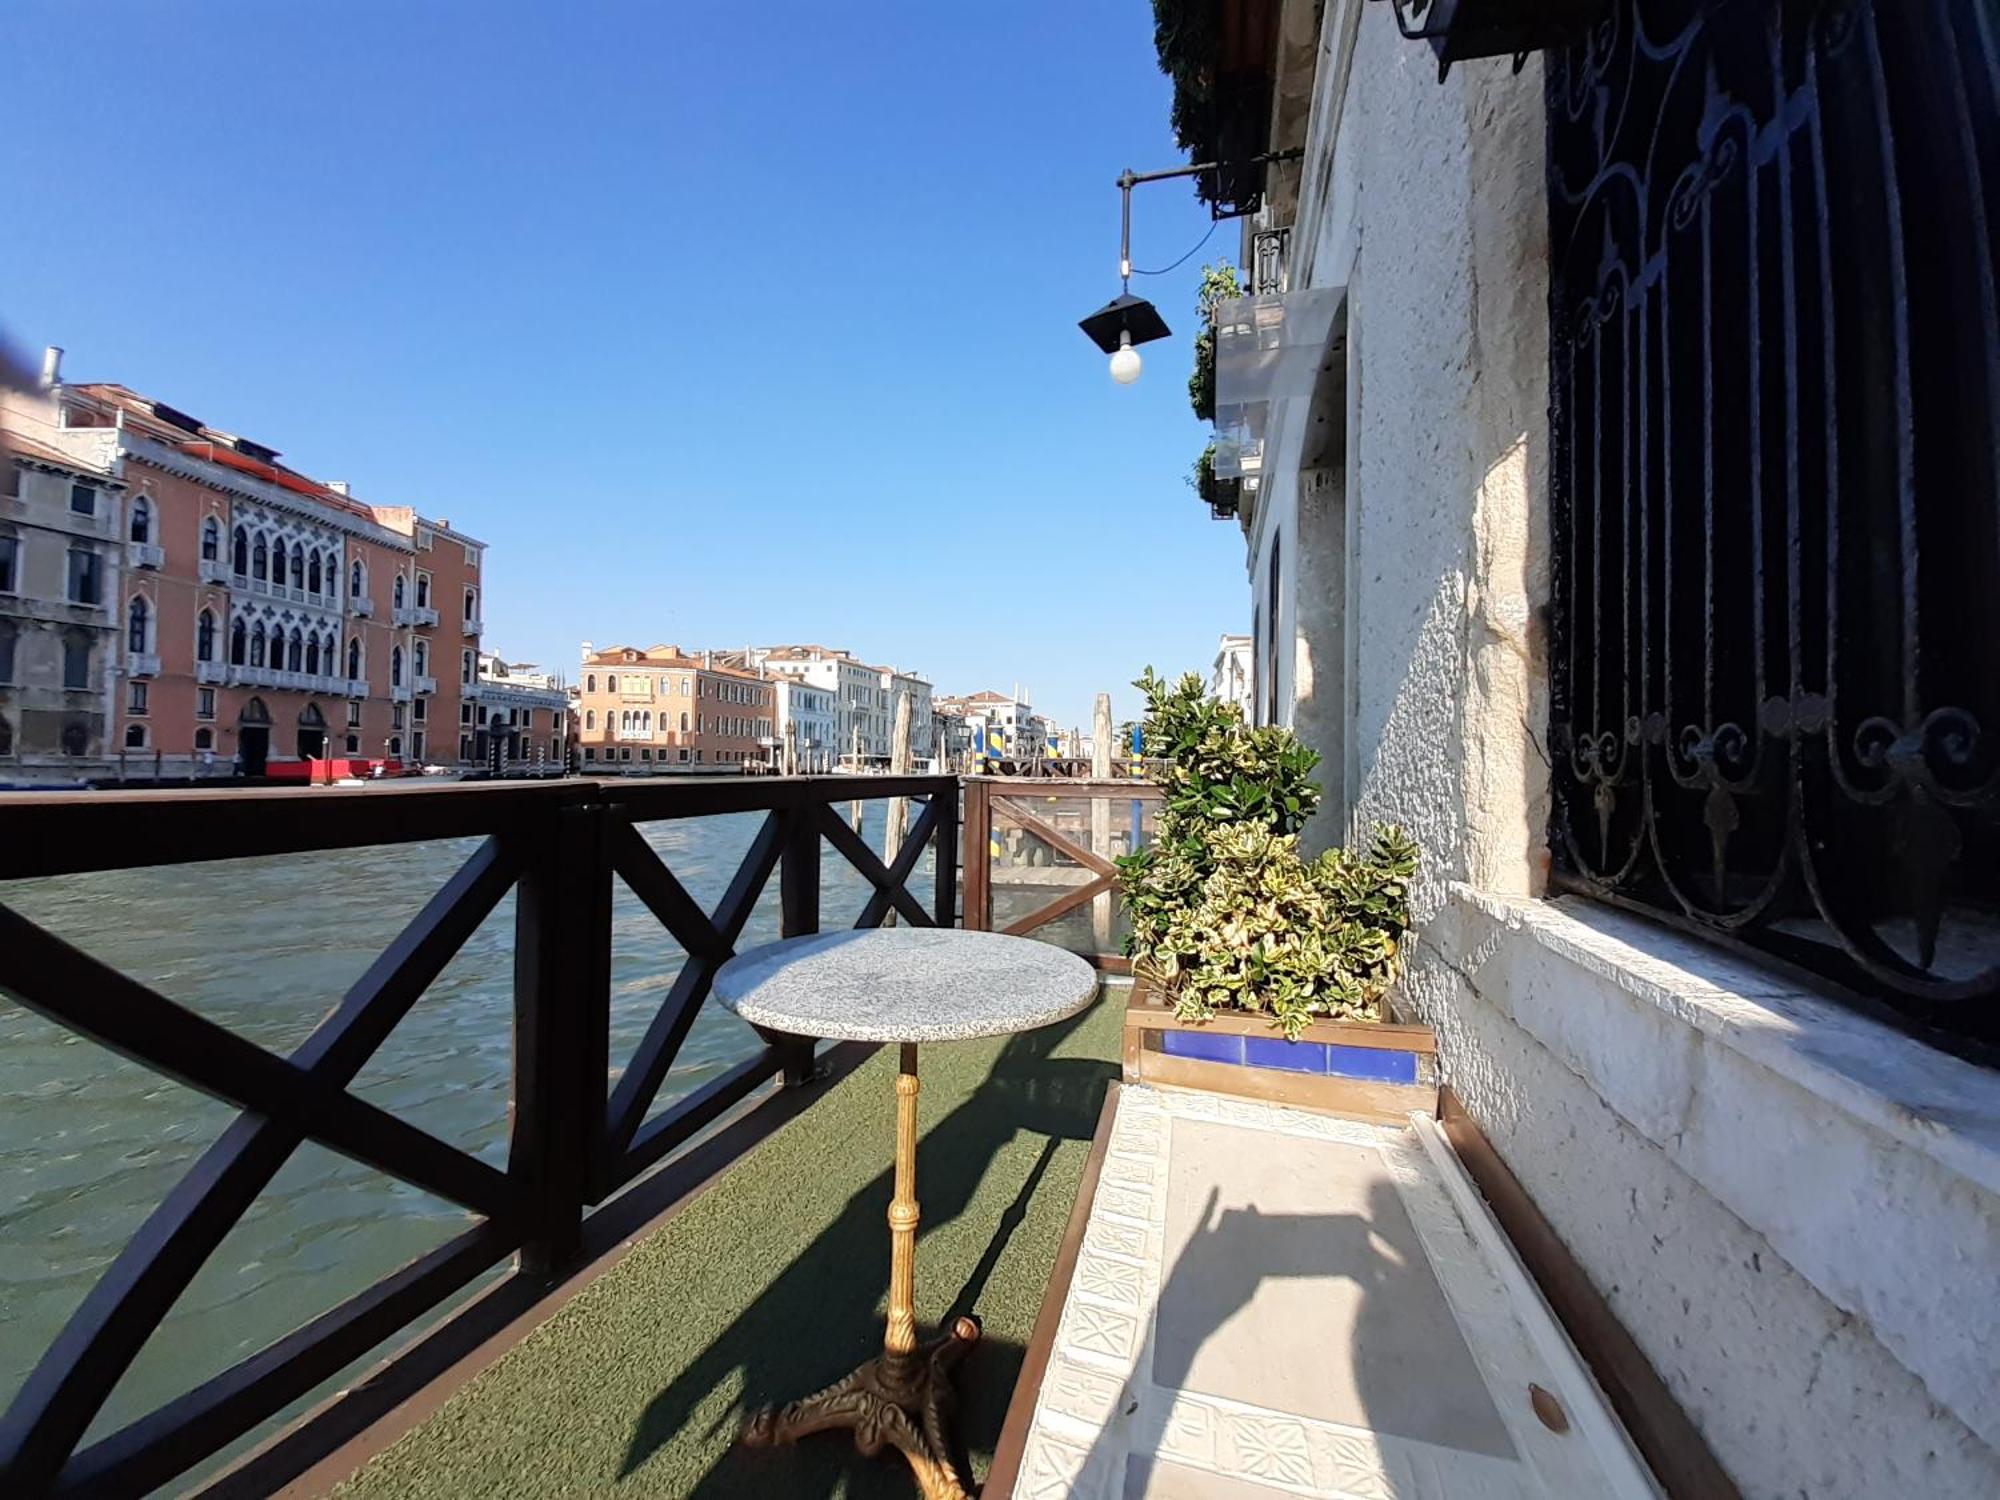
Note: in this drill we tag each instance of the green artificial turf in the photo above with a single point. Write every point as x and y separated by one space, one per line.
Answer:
772 1284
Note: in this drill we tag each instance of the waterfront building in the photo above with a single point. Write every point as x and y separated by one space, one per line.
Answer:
61 571
1010 726
258 619
808 725
923 714
1229 680
865 699
952 737
661 708
515 717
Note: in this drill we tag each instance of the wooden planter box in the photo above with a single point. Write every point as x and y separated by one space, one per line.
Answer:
1362 1070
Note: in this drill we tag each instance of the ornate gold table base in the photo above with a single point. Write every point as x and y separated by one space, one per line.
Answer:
903 1396
879 1413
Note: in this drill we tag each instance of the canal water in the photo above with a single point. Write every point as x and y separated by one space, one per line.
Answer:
90 1143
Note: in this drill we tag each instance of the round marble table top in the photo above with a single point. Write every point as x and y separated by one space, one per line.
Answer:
905 984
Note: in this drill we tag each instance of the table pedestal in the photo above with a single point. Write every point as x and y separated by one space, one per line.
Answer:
903 1396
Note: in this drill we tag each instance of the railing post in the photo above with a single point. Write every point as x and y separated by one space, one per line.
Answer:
944 848
798 894
562 1008
1102 911
978 856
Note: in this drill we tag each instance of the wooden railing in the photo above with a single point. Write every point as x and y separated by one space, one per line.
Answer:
574 1142
1030 838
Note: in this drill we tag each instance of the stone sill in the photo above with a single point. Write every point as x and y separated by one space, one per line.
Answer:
1869 1161
1936 1104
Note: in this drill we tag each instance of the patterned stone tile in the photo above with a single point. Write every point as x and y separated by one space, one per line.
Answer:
1124 1201
1089 1395
1267 1447
1108 1238
1189 1433
1119 1281
1103 1330
1349 1463
1134 1167
1054 1468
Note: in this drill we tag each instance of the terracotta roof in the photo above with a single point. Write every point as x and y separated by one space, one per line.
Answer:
213 445
28 447
614 656
808 653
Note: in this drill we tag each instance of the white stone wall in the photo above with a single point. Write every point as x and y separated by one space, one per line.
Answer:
1796 1213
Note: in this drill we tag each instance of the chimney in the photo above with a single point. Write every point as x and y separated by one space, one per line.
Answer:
708 659
51 367
586 651
339 487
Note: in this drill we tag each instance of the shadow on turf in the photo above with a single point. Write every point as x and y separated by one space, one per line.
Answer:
817 1319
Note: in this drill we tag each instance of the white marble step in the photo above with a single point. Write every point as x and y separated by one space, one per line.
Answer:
1269 1302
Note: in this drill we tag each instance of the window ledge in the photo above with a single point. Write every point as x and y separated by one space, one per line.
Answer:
1869 1161
1941 1106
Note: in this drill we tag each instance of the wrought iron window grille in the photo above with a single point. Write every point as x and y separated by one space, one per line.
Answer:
1775 487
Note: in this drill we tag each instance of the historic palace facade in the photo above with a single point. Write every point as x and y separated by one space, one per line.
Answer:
175 602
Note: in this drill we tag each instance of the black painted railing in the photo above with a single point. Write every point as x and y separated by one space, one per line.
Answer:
576 1139
1775 487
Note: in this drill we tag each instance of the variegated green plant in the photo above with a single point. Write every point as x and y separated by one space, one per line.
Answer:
1225 914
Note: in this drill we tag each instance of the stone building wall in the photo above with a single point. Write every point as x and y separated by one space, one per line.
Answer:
1795 1211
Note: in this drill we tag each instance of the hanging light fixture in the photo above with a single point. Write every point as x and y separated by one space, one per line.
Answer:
1120 324
1127 321
1462 29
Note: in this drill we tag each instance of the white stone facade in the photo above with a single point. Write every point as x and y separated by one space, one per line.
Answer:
1234 670
864 701
1795 1211
808 725
1010 725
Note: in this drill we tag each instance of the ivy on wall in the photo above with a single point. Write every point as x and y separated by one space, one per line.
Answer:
1219 281
1186 37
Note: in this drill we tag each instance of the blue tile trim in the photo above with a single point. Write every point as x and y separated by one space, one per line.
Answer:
1329 1059
1292 1057
1208 1046
1377 1064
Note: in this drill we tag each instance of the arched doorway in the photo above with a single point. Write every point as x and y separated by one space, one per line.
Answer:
312 733
253 737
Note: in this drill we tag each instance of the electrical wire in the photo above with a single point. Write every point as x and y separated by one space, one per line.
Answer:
1185 258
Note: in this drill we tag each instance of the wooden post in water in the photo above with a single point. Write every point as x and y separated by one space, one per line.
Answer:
899 808
1100 816
854 807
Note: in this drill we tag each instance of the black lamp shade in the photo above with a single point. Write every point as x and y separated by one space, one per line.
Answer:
1126 314
1462 29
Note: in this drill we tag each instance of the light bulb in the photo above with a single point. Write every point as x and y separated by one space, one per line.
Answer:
1125 363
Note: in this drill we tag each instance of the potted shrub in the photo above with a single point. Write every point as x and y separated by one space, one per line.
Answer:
1222 495
1219 283
1257 971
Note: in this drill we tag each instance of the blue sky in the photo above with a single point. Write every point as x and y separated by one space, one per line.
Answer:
717 329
